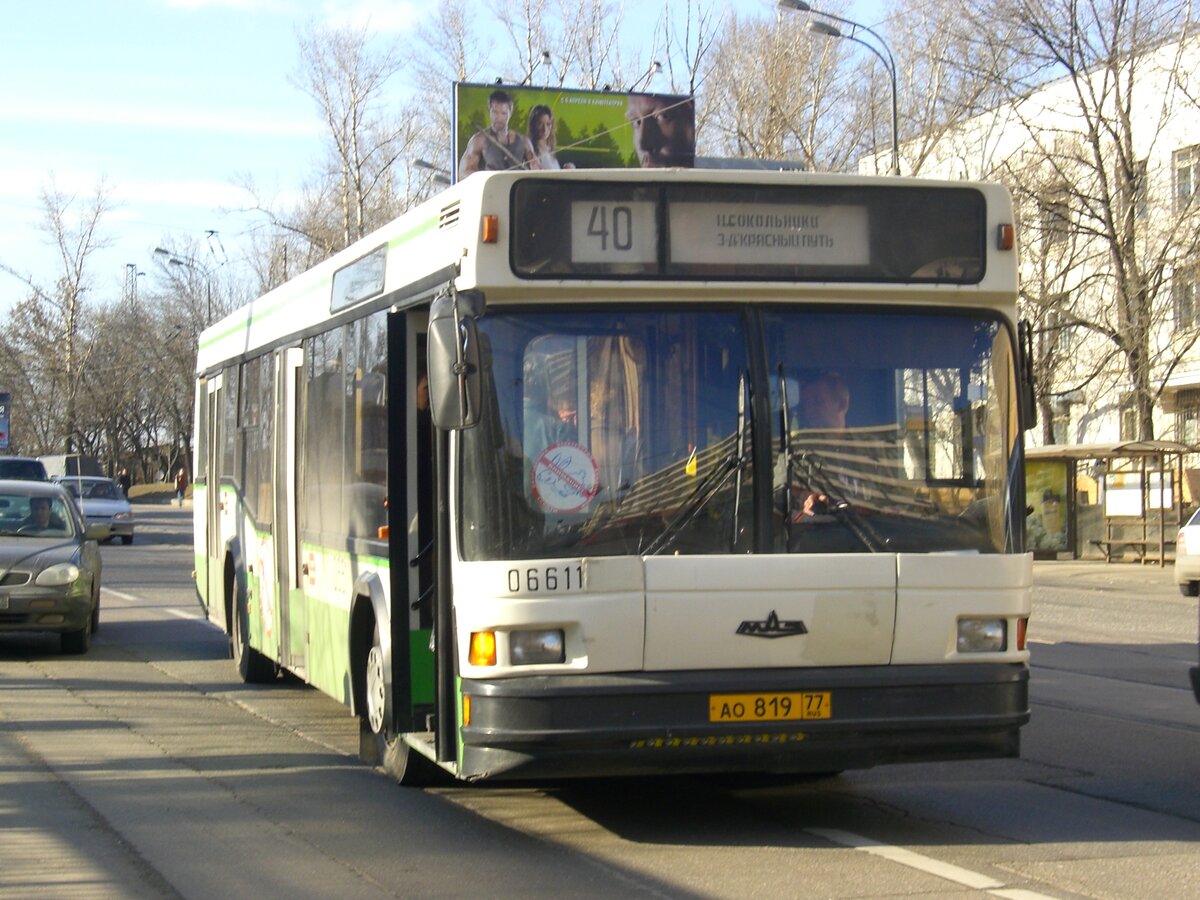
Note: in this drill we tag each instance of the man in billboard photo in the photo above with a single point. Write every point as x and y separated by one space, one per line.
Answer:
664 130
496 147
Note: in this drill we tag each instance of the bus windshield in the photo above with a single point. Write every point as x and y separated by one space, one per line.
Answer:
774 429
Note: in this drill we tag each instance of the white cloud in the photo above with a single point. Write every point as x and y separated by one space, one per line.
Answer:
385 16
244 5
116 115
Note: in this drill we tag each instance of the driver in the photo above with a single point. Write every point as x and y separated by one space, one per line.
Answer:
41 518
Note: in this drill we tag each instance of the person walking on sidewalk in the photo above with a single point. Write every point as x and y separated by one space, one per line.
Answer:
181 483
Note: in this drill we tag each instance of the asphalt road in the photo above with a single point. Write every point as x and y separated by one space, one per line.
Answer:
144 769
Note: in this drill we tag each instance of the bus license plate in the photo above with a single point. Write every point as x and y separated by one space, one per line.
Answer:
769 707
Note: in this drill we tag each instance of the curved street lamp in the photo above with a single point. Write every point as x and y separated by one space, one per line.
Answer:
176 259
816 26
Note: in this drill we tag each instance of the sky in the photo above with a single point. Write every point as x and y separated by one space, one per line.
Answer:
170 104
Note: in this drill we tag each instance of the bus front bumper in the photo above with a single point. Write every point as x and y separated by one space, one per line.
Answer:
653 723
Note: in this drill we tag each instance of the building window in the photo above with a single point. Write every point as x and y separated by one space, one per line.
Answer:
1136 193
1187 417
1129 419
1183 297
1055 217
1061 423
1059 327
1187 176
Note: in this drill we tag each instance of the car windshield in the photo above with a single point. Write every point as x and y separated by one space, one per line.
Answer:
781 430
22 469
94 490
34 516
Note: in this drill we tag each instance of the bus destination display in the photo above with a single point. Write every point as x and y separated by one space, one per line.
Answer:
762 233
566 229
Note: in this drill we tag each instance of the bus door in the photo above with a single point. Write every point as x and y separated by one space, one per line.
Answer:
213 570
413 553
292 612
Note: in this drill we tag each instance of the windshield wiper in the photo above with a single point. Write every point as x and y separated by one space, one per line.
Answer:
815 479
713 482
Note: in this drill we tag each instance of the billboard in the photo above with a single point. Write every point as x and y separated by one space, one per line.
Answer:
510 127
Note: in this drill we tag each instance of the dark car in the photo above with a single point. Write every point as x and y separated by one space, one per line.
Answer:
49 564
22 468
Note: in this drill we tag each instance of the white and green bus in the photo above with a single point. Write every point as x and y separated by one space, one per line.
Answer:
619 472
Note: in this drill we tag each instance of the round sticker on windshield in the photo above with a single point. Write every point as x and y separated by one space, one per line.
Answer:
564 478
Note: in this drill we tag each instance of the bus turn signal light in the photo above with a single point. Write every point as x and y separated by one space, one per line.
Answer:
483 648
1006 236
491 229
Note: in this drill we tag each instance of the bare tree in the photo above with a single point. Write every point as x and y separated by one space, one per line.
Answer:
48 333
944 78
1121 71
778 92
589 52
348 79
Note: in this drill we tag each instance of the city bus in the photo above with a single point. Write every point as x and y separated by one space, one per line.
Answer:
612 472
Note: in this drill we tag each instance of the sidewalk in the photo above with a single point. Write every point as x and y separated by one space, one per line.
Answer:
1096 573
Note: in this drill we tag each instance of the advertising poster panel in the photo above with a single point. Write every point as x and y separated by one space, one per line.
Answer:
508 127
1046 495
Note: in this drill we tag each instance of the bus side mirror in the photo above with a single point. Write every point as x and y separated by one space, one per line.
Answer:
453 359
1027 392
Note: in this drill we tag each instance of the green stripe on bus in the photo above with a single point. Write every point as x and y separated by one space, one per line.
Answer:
325 284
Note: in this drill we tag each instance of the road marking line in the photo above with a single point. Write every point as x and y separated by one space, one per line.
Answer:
170 611
123 596
184 614
927 864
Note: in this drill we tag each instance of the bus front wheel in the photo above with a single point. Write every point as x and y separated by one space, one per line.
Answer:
252 666
376 746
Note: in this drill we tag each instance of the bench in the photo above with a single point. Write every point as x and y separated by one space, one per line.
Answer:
1140 546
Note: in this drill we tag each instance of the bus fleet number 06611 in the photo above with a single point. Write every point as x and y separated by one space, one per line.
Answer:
546 579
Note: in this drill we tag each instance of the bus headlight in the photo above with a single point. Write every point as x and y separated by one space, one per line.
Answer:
530 648
982 635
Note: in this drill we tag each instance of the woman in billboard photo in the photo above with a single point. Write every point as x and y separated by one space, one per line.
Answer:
541 136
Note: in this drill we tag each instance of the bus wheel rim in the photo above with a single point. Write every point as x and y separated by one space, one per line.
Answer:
375 696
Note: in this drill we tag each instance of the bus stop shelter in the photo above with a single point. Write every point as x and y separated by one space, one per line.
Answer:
1114 501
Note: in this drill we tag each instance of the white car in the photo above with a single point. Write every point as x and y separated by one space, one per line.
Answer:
102 503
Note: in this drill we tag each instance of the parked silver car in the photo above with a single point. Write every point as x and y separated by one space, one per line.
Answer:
49 564
1187 557
102 502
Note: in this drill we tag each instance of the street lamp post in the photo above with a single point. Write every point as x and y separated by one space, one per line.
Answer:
188 262
889 63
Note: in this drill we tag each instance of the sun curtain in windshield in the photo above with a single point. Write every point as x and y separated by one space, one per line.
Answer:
775 429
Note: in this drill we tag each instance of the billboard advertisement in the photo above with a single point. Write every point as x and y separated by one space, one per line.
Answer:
509 127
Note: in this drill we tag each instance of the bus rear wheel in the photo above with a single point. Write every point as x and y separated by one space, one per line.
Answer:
376 746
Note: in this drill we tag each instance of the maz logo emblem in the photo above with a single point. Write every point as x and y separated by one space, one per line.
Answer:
773 627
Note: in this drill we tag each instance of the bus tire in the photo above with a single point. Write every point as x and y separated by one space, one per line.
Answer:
252 666
399 761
